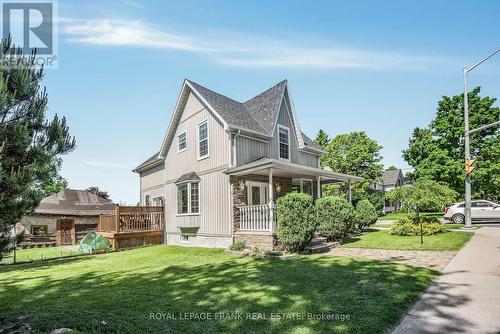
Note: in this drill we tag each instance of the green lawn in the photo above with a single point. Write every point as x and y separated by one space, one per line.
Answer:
398 215
124 288
36 254
446 241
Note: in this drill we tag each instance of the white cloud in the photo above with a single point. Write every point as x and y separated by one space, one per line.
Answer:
105 164
107 32
243 51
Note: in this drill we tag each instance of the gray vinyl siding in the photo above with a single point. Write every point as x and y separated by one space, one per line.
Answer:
152 183
214 217
296 156
248 150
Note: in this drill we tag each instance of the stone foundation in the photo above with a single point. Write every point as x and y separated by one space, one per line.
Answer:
265 242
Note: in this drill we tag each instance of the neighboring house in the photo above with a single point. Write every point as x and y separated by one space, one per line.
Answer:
66 216
390 179
223 164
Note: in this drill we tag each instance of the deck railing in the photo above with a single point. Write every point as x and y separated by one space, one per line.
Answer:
133 219
256 218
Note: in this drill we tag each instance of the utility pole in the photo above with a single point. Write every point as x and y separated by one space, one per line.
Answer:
468 221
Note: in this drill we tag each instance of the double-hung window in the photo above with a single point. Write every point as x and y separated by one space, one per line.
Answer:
284 142
302 186
188 198
203 140
182 142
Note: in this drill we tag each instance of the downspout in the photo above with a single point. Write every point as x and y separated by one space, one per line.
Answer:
233 144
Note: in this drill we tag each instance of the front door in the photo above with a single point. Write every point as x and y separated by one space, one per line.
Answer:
257 193
65 232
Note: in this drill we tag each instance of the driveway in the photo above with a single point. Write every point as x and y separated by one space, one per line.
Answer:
466 297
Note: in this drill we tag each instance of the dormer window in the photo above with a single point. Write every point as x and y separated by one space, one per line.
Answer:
284 142
182 142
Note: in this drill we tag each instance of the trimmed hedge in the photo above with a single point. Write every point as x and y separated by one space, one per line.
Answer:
335 217
365 214
408 226
296 221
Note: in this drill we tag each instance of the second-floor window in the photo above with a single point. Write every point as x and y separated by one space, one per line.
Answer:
284 142
147 200
203 140
182 142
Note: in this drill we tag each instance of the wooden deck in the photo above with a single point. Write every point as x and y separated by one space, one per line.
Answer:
133 226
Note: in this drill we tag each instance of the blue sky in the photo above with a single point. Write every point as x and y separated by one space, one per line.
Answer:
374 66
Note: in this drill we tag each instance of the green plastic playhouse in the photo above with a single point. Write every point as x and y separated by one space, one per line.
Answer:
94 243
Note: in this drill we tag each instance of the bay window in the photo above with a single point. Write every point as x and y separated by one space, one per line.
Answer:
188 198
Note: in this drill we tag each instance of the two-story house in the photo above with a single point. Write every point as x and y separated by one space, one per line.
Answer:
223 164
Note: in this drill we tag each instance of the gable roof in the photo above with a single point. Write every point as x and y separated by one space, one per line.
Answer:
257 116
192 176
75 203
390 177
150 162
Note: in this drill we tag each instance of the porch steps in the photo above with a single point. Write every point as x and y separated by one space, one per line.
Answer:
319 245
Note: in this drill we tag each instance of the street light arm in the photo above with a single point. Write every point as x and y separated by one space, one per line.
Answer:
485 127
480 62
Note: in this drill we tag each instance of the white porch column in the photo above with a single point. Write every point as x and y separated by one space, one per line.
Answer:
318 184
350 190
272 223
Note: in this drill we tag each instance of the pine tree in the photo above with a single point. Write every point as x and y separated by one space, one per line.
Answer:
322 139
30 145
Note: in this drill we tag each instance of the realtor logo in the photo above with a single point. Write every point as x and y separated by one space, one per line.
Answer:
31 26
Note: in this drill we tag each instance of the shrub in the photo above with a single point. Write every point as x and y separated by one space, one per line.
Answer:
365 214
238 246
335 217
407 226
296 221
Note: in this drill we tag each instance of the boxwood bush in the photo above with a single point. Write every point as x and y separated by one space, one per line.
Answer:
365 214
335 217
407 226
238 246
296 221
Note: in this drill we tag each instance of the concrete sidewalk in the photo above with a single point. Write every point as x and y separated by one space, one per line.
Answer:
466 297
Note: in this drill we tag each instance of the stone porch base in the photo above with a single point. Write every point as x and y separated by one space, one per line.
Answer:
263 240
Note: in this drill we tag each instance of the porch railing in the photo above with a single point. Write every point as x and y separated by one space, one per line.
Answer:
256 218
132 219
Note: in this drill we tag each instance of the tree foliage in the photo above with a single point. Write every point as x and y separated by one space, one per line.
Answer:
357 154
98 192
30 145
322 138
437 151
424 194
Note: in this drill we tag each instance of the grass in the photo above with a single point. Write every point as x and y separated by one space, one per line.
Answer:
123 289
446 241
36 254
399 215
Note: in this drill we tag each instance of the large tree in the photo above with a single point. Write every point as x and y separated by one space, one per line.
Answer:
322 139
30 145
437 151
357 154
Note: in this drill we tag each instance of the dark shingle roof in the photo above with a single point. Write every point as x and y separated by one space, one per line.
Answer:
390 177
265 107
233 112
75 203
188 177
309 142
150 160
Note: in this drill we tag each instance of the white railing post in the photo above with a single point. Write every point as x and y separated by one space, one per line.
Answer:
271 202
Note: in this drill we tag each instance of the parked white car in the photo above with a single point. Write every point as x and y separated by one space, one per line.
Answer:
481 211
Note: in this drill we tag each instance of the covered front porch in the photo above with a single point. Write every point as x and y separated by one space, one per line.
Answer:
256 186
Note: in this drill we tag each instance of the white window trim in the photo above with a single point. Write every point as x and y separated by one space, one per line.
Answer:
156 197
263 189
189 199
178 142
146 195
302 185
279 143
198 140
185 241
